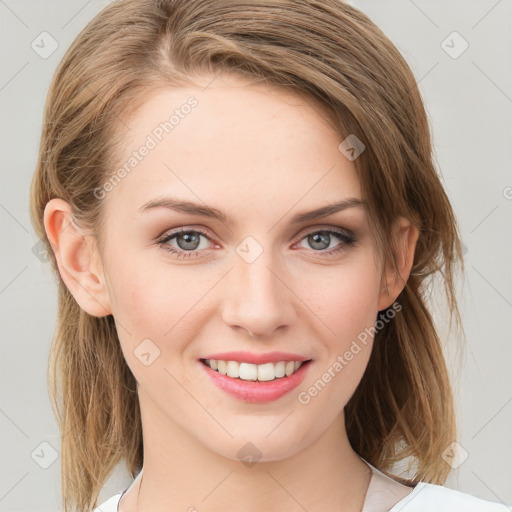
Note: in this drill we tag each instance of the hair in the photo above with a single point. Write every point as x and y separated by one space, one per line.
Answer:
324 50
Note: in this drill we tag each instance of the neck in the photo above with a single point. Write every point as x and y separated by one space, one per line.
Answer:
181 474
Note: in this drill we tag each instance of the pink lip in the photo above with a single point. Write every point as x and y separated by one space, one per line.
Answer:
249 357
255 391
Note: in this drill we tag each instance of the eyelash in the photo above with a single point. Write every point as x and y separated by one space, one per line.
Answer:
346 237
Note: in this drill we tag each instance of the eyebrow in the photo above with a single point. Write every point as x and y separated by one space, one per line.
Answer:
208 211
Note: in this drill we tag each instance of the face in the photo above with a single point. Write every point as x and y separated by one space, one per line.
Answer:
255 277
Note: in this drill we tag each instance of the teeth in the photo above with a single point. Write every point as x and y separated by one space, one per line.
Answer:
248 371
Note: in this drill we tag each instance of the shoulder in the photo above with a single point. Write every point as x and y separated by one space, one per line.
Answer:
426 497
111 504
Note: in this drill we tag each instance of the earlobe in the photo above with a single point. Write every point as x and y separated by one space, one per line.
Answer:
393 279
77 258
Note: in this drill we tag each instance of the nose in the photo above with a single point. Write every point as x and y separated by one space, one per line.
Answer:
258 296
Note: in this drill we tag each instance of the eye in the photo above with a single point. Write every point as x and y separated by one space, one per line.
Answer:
188 242
321 239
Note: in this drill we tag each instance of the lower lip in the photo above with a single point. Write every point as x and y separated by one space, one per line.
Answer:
256 391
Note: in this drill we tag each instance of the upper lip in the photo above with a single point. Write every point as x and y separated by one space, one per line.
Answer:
254 358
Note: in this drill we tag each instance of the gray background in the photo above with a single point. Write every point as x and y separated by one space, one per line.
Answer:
469 100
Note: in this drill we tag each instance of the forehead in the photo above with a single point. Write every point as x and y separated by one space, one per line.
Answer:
226 103
233 140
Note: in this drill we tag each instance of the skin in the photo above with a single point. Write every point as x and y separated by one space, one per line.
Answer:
261 155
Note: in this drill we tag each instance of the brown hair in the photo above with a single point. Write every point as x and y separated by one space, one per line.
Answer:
325 50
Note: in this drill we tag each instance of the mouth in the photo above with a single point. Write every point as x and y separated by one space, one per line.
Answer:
254 372
256 383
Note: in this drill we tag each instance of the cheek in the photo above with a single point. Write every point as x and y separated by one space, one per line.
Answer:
155 318
153 302
345 298
165 304
347 304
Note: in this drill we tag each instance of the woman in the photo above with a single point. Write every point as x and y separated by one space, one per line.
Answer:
244 216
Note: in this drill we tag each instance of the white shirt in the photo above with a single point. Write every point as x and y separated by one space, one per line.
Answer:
382 497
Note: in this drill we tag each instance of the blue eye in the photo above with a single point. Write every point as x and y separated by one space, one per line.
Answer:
190 241
319 238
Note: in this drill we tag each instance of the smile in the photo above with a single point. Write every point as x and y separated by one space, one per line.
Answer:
248 386
254 372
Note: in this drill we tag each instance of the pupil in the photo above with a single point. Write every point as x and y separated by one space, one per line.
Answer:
190 238
321 239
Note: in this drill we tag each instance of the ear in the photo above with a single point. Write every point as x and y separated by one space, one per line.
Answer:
77 258
405 237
